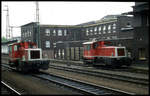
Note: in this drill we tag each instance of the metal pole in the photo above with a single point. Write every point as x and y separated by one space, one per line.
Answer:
38 25
7 23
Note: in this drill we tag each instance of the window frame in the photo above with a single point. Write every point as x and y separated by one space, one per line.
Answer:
47 44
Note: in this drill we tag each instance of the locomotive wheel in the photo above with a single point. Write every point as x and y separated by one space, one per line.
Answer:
35 70
21 67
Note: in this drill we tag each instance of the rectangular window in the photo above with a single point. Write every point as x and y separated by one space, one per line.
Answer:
30 33
63 52
22 34
35 54
47 43
100 30
59 32
109 28
87 47
54 32
95 29
87 32
114 31
121 51
91 31
142 54
65 32
47 32
114 26
10 48
104 29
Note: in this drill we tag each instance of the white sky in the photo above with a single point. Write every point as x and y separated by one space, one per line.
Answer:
59 13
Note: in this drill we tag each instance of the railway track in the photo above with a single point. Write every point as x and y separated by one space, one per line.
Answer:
127 69
134 79
130 79
81 86
7 90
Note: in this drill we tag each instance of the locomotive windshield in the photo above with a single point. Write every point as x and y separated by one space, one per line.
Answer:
35 54
121 51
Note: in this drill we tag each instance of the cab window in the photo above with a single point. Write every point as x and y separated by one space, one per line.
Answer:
10 49
95 45
15 47
87 47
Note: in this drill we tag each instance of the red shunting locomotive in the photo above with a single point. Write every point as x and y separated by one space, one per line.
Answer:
25 56
98 53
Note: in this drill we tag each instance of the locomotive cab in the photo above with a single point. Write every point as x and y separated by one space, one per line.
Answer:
103 53
26 56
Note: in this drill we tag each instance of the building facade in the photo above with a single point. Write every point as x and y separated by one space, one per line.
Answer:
65 41
141 32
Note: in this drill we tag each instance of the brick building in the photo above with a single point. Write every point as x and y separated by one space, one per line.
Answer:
55 38
141 32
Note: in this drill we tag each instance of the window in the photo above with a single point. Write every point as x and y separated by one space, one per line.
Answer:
63 52
25 34
47 32
65 32
29 33
87 47
59 52
104 29
108 37
109 28
114 31
142 54
114 26
10 48
91 31
59 32
47 43
100 30
54 32
121 51
15 47
22 34
95 29
114 37
87 32
95 45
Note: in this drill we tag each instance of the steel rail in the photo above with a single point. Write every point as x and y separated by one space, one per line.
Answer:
81 85
105 75
10 88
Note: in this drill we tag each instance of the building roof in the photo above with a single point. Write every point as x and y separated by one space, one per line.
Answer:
42 25
28 24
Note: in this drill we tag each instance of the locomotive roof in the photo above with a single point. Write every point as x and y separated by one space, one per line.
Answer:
90 42
114 47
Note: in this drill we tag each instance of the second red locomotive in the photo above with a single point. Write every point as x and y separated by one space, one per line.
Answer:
25 56
97 52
